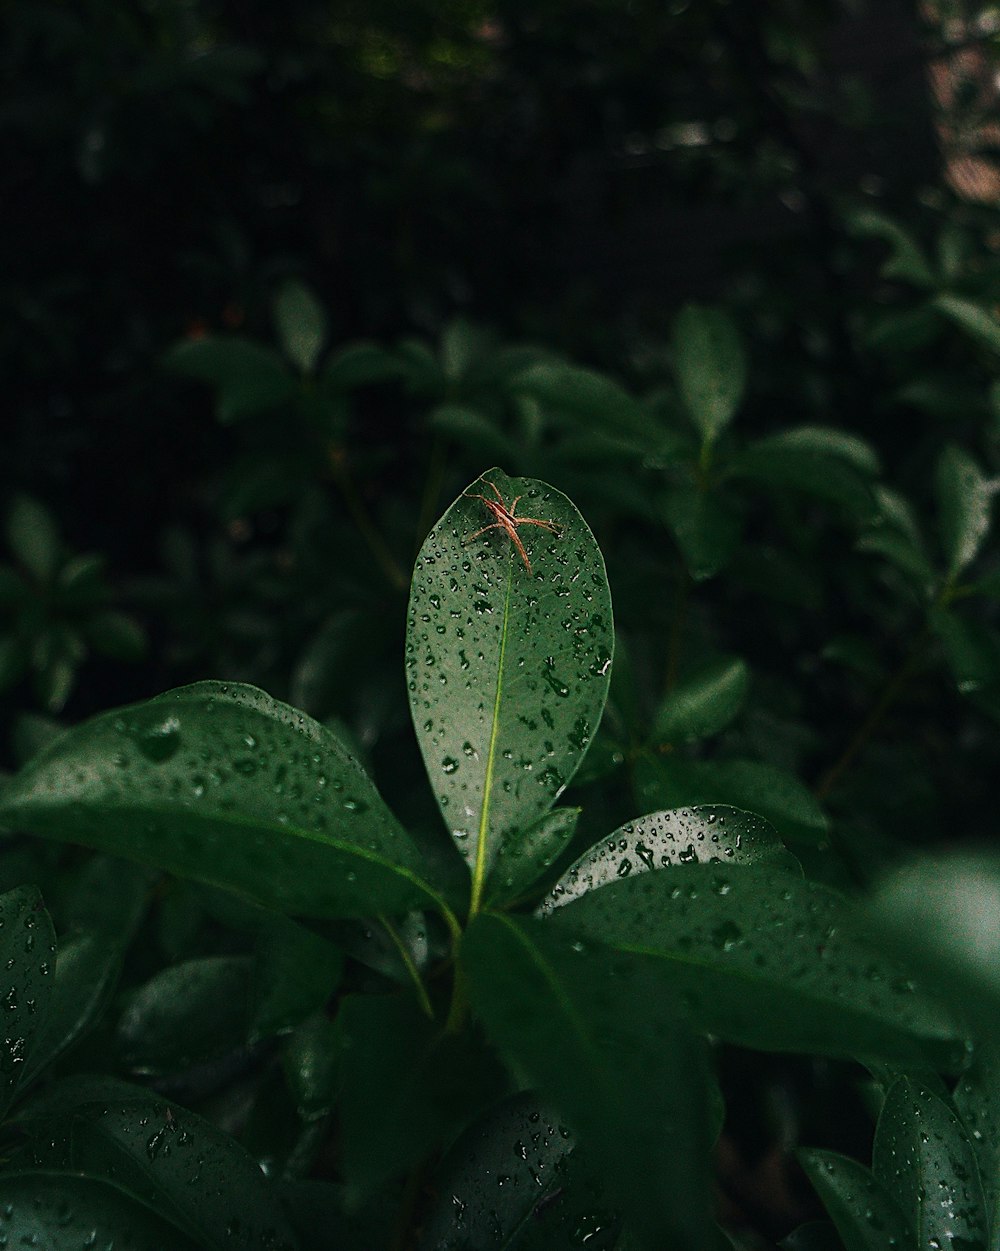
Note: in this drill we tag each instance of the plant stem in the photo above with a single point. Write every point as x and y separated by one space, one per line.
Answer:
890 693
361 518
411 968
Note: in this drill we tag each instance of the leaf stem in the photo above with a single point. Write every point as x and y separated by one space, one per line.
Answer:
422 997
890 693
362 519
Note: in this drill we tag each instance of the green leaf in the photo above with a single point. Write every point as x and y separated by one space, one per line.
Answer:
865 1214
186 1014
471 429
407 1086
766 961
705 527
826 442
971 649
33 538
908 261
27 961
922 1156
171 1160
942 913
65 1212
359 365
964 497
526 854
508 669
222 783
591 399
710 366
708 835
462 346
295 973
117 635
301 325
703 703
521 1142
669 782
977 320
247 377
803 464
602 1039
977 1101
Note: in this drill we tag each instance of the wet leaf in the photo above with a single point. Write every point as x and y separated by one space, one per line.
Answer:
964 499
703 703
923 1157
171 1160
222 783
27 967
705 835
600 1037
977 1101
526 854
65 1212
766 960
865 1214
507 667
710 366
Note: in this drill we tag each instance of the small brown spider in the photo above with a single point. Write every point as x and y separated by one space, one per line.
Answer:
507 521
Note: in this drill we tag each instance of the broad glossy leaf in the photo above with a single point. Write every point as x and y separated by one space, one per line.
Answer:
710 366
65 1212
942 913
27 965
222 783
703 703
977 1101
923 1157
301 325
248 377
176 1163
706 835
601 1037
766 960
507 668
705 527
866 1215
669 782
964 498
295 972
186 1014
526 854
407 1087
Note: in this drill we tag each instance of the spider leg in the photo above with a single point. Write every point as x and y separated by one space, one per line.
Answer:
497 525
516 538
536 521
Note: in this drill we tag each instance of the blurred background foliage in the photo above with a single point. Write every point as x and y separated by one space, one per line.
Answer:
280 280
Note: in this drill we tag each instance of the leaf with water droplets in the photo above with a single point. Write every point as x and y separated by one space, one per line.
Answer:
222 783
601 1036
65 1212
706 835
170 1159
525 854
27 967
508 660
766 960
977 1101
923 1157
864 1212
